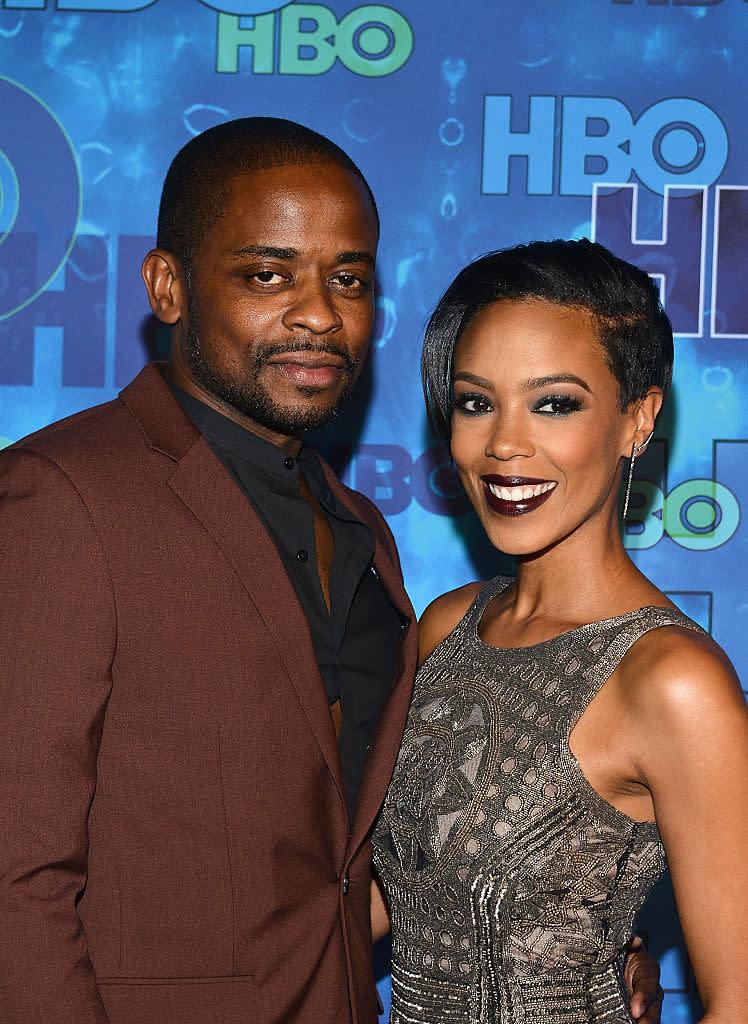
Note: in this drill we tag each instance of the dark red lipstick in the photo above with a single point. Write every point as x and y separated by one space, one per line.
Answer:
508 495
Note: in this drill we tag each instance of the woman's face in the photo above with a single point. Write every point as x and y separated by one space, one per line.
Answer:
537 432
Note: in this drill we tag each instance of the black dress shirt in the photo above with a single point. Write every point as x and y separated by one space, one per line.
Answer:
355 640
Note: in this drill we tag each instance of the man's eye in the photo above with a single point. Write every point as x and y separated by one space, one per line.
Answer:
267 277
558 405
349 282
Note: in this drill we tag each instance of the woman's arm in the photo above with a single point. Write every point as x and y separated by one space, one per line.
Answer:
441 617
693 722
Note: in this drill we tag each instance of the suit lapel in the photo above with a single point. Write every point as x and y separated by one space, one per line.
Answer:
387 737
385 742
201 482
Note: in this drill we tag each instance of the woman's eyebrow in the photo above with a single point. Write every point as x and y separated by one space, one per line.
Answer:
472 378
556 378
533 384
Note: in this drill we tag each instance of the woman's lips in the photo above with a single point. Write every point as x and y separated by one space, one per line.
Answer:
516 495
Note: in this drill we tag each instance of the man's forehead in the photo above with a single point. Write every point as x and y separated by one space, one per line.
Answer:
287 253
297 178
295 207
270 195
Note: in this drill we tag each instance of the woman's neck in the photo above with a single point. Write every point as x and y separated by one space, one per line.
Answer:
586 577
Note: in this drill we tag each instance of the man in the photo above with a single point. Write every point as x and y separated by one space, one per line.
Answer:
206 627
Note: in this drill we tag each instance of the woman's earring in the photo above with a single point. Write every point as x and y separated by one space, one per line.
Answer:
636 449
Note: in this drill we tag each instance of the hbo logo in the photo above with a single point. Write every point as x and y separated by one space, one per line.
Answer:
675 141
697 514
372 41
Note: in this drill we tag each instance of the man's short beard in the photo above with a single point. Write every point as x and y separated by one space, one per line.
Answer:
253 399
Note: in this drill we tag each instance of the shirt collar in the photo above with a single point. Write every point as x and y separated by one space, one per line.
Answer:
235 440
265 458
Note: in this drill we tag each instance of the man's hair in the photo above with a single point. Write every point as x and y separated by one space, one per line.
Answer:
195 186
622 300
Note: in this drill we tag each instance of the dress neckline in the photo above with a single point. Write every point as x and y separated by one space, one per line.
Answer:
481 605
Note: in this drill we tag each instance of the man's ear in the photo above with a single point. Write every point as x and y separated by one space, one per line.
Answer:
166 284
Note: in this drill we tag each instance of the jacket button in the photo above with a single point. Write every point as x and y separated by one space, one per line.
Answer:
302 555
346 884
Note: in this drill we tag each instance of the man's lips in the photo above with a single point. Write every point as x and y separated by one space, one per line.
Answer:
313 369
515 495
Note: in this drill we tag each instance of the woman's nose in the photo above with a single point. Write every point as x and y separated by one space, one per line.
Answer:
508 439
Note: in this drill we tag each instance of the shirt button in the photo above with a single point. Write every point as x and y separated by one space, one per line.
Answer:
346 884
302 555
288 462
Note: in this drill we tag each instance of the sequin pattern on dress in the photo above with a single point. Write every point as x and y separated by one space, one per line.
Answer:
512 884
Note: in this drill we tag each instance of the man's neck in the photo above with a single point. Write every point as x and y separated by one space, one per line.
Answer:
180 376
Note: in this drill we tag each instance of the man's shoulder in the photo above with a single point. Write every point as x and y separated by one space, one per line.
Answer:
65 463
83 439
78 428
102 433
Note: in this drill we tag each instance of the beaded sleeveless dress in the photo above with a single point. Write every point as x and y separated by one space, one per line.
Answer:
512 885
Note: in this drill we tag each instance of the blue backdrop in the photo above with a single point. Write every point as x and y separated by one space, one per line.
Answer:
478 125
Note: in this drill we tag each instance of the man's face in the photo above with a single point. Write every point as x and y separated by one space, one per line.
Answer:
281 303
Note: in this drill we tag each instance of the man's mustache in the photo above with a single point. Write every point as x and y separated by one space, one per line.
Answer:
266 352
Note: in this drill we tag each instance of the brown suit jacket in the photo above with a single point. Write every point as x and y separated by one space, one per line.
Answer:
174 841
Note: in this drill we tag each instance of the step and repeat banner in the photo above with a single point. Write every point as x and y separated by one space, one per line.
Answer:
478 125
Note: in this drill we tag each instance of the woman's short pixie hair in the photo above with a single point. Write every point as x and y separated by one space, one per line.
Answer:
624 303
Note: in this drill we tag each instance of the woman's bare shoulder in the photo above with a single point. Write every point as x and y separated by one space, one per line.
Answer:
442 615
681 708
675 672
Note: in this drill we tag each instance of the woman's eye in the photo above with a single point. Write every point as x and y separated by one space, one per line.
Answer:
472 404
558 405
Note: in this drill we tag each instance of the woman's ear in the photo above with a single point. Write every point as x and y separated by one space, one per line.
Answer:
166 284
641 417
646 415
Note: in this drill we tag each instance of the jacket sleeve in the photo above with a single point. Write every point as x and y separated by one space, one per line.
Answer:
57 642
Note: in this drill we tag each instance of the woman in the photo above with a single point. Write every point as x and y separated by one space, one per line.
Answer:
570 727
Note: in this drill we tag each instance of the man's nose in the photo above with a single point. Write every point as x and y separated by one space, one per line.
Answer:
312 308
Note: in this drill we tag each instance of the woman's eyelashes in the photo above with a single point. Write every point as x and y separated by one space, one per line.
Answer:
558 405
472 403
475 404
